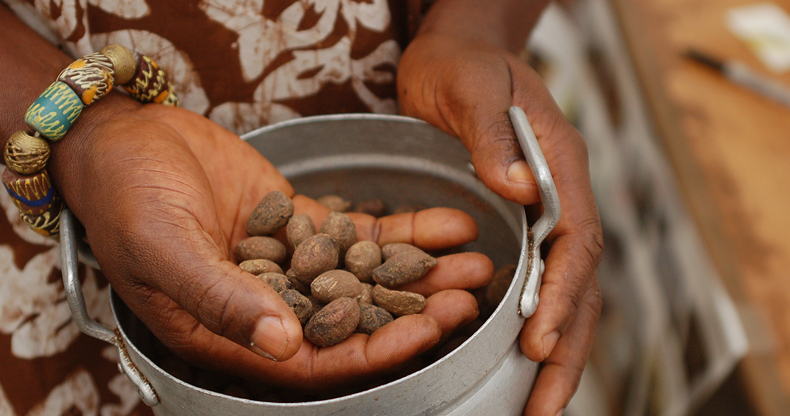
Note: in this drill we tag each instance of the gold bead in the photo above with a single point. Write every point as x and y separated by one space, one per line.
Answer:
123 62
26 154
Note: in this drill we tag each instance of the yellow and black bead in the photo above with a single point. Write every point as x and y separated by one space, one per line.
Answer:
46 223
32 194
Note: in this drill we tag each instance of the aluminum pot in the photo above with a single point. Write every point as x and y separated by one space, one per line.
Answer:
401 161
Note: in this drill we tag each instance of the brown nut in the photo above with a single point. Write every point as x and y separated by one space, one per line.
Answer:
271 214
260 248
334 203
367 294
374 207
333 323
314 256
297 284
342 228
372 318
317 304
278 281
391 249
258 266
335 284
398 302
362 258
301 306
300 227
403 268
495 291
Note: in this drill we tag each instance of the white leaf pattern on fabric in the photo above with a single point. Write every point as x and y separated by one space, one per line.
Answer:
177 64
28 14
50 332
127 9
125 390
260 39
25 292
374 16
5 405
78 391
66 22
365 69
34 311
53 330
244 117
284 83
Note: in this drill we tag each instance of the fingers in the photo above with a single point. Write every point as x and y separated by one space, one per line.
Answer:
429 229
456 271
188 267
561 371
388 349
359 357
570 266
576 249
451 309
480 117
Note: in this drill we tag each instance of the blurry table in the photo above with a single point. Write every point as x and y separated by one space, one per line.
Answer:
730 149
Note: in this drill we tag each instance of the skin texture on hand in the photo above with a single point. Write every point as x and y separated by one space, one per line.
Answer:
164 195
465 86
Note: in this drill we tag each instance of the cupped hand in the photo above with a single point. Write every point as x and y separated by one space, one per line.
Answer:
465 86
164 195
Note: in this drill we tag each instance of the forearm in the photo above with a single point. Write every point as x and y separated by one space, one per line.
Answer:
28 65
504 23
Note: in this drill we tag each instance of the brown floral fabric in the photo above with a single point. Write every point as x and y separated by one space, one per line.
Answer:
241 63
245 63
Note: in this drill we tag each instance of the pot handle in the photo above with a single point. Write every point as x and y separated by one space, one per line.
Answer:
528 301
79 311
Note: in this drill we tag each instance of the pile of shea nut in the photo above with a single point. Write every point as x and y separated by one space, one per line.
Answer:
331 302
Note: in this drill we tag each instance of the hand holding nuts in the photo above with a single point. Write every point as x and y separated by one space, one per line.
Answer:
331 303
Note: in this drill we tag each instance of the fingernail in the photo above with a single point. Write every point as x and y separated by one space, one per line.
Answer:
518 171
269 339
560 412
549 341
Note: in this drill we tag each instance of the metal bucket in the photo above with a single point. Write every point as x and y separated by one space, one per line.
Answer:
401 161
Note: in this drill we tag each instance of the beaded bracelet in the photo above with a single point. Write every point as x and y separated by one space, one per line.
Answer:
82 83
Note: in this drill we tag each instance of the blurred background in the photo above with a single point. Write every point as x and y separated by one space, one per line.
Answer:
690 169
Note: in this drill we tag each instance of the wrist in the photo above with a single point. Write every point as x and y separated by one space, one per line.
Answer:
70 155
52 116
503 23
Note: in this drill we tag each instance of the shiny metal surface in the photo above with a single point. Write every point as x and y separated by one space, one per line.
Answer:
528 303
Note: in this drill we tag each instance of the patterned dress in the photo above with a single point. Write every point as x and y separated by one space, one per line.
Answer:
241 63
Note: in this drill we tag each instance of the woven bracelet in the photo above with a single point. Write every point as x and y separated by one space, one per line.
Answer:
82 83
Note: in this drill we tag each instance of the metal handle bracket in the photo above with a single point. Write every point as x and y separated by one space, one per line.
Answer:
528 303
79 311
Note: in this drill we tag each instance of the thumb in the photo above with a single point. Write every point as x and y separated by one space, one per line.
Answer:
476 110
496 155
188 268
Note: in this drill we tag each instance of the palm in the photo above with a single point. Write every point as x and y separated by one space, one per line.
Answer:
176 190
